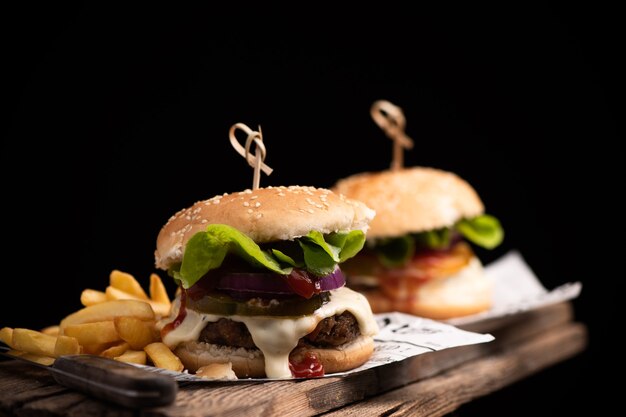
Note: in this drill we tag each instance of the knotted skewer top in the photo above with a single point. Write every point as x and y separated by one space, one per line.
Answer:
254 160
391 120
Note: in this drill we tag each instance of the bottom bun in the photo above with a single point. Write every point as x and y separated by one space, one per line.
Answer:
250 363
469 291
342 358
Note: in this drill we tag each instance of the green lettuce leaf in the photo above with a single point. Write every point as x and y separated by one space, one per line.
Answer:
394 252
320 257
206 251
350 243
320 254
317 258
484 231
316 238
286 259
323 253
434 239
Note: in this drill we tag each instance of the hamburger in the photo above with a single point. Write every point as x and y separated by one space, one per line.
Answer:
260 284
418 258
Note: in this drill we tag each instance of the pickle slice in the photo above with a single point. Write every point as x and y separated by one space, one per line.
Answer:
222 304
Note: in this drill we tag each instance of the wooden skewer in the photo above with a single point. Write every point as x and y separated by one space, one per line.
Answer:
391 120
256 161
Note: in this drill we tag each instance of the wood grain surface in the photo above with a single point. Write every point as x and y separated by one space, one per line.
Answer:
431 384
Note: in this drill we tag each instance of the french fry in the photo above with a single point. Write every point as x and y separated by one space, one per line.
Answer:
136 332
90 297
162 357
158 293
118 323
108 310
97 333
6 336
43 360
160 309
50 330
96 349
127 283
113 293
31 341
116 350
66 345
133 356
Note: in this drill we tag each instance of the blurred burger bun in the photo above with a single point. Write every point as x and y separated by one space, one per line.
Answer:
412 200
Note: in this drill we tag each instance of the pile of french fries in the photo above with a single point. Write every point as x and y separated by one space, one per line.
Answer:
118 323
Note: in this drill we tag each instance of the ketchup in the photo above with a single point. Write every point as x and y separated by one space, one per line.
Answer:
182 313
308 368
302 284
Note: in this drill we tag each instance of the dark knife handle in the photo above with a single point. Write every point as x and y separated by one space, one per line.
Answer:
114 381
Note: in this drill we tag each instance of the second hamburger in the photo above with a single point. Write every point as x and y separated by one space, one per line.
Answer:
417 259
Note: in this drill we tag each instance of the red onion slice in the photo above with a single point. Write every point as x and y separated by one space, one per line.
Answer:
299 282
332 281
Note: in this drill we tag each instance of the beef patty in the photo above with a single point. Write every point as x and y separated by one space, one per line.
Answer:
332 331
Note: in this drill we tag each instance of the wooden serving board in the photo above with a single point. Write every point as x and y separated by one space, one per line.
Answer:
431 384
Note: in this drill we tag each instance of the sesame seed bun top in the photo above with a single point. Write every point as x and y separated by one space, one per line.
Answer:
265 215
412 200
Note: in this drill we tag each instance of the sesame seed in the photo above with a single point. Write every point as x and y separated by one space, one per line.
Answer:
310 210
250 211
246 204
326 204
301 211
319 206
188 217
216 201
259 215
254 197
281 194
257 204
204 221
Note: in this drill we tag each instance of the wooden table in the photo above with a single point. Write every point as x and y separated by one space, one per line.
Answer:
431 384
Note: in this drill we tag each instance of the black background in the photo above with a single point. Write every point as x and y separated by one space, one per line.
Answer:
119 117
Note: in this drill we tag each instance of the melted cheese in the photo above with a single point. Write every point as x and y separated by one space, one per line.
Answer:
276 337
